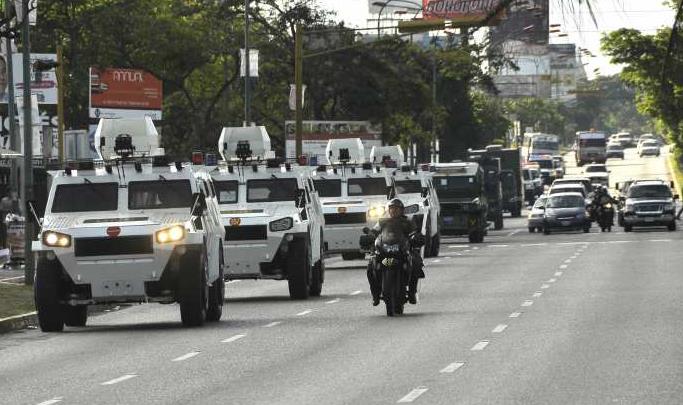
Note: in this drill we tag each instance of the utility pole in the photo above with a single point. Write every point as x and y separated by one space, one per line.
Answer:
298 80
11 107
60 101
247 69
27 173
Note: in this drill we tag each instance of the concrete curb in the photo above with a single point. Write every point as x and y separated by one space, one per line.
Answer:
18 322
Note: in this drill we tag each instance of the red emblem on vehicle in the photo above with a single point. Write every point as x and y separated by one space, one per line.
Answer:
113 231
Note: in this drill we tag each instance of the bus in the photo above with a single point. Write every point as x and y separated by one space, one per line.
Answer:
539 144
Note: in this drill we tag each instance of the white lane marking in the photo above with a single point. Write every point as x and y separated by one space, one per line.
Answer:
564 266
356 292
475 248
436 261
558 273
534 244
52 401
552 280
651 240
413 395
544 286
233 339
334 301
515 315
466 251
570 243
451 368
500 328
119 379
13 278
514 232
568 261
233 281
458 246
186 356
306 312
537 294
527 303
499 246
272 324
480 346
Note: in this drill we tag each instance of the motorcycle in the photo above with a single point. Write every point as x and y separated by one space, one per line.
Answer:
605 216
391 265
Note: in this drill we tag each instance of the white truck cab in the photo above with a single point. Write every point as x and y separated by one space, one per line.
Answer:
416 191
353 193
271 214
130 228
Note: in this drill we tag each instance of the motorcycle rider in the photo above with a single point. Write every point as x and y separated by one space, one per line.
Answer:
601 198
398 219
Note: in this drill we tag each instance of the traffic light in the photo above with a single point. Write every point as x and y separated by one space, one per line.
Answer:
418 26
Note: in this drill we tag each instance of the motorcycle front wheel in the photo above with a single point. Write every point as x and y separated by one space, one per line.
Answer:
391 286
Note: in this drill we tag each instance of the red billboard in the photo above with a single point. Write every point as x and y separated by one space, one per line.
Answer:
461 11
124 89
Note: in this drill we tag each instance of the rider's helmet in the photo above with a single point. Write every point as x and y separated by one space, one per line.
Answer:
396 208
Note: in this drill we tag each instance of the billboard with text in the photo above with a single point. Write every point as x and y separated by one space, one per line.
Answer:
461 11
124 93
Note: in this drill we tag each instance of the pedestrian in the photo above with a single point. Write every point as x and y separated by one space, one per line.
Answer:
5 208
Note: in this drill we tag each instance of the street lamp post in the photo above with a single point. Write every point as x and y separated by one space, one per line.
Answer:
247 73
27 172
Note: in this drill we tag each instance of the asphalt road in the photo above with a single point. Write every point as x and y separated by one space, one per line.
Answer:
520 319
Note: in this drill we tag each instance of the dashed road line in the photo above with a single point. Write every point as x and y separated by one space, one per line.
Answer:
545 286
564 266
480 346
458 246
306 312
499 246
500 328
119 379
233 338
558 274
552 280
52 401
537 294
413 395
515 315
527 303
534 244
568 261
272 324
186 356
660 240
451 368
356 292
334 301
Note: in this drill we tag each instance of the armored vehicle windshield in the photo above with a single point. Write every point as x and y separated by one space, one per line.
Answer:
367 186
272 190
91 197
159 194
457 186
408 187
227 191
328 187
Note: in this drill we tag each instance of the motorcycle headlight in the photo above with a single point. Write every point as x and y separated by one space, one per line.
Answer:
281 224
412 209
608 206
56 239
376 212
172 234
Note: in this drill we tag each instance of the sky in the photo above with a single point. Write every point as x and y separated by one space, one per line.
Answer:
645 15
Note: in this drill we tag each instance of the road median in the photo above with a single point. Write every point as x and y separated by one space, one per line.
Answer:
17 309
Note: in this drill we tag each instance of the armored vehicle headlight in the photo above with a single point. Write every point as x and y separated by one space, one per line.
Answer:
281 224
412 209
171 234
56 239
376 212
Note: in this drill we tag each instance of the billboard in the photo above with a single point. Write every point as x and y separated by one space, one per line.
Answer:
460 11
124 93
43 84
316 134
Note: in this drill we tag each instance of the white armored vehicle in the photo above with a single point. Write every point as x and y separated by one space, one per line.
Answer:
131 228
271 214
416 191
354 195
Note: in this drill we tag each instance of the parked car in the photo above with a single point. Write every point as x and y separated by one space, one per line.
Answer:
615 151
566 211
535 219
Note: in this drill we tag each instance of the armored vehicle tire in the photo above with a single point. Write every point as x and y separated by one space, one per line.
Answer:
353 256
476 237
298 269
192 288
46 294
672 226
217 294
498 222
428 240
517 212
75 315
435 245
532 229
628 228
